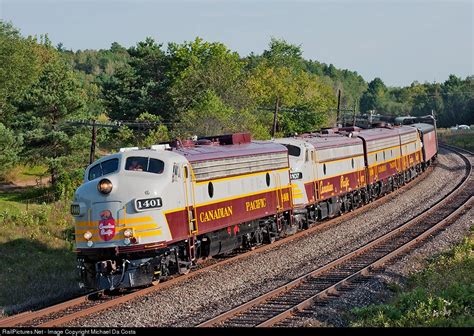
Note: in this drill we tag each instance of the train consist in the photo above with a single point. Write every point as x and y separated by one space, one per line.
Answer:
144 214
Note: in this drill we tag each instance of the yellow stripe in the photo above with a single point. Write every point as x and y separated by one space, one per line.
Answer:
121 227
398 157
120 221
301 196
173 210
380 163
344 159
330 176
242 176
121 237
397 146
239 196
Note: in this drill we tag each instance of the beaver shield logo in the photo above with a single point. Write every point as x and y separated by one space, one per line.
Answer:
106 225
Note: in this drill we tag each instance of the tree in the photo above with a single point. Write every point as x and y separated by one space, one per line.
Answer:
279 85
374 97
19 68
283 54
10 147
140 85
56 97
198 66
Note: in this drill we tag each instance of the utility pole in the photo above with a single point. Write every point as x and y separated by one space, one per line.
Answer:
338 107
275 116
354 118
93 141
115 125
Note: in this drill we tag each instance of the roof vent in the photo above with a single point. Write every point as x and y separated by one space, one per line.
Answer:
128 149
230 139
160 147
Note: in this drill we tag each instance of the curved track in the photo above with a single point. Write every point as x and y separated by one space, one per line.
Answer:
276 307
62 313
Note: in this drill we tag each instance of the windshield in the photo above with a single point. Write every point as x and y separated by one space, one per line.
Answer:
144 164
293 150
103 168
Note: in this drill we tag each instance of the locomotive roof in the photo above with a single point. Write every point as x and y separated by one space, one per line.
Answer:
372 134
424 127
322 141
212 152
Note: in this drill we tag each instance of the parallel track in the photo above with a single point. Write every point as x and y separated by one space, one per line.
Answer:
317 287
70 310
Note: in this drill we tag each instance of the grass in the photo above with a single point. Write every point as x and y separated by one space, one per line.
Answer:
23 173
459 138
442 295
37 266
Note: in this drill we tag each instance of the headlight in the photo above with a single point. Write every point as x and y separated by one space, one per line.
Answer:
128 233
104 186
88 235
126 241
90 243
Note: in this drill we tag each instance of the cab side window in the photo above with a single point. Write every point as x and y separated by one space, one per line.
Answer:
103 168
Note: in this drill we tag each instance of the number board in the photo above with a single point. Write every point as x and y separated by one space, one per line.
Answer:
149 203
296 176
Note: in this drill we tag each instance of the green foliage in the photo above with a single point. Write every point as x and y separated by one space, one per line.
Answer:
56 97
442 295
283 54
197 67
67 182
458 138
277 86
374 97
155 133
207 117
451 101
10 147
19 67
37 267
140 85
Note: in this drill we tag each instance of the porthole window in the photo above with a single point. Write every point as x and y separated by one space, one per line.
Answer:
267 179
324 169
352 161
210 189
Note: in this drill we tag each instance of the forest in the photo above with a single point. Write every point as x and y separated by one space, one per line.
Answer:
151 93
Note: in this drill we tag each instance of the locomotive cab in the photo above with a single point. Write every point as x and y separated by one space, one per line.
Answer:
301 156
120 208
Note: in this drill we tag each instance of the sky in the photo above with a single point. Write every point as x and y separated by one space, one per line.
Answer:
398 41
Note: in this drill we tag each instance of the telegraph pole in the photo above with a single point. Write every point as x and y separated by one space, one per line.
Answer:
93 141
275 116
338 107
115 125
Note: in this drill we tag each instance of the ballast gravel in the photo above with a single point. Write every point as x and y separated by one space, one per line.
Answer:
208 294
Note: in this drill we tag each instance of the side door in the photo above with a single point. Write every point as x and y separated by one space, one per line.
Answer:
189 198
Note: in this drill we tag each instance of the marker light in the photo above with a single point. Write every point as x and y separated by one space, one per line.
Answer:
128 233
88 235
104 186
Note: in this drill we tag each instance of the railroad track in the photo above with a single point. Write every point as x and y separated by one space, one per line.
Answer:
277 307
63 313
